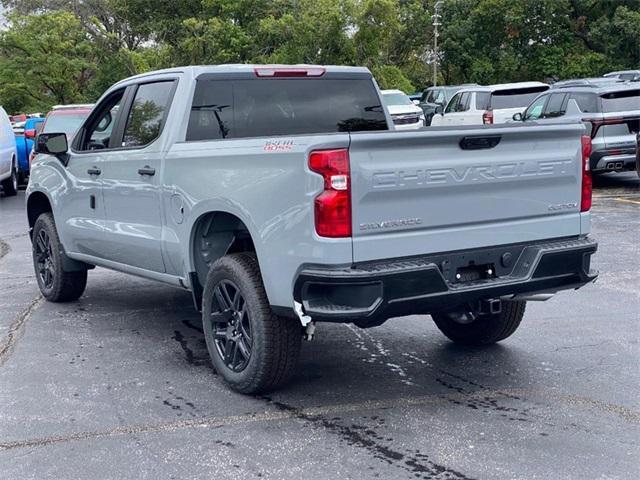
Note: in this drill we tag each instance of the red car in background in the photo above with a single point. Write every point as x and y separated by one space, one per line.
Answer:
64 119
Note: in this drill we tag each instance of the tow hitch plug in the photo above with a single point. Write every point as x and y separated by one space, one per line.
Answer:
492 306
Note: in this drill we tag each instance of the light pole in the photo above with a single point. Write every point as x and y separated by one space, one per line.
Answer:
436 23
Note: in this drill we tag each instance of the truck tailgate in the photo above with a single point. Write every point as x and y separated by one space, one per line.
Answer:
446 189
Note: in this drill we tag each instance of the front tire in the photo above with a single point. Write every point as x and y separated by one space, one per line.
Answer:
10 185
253 349
55 284
468 328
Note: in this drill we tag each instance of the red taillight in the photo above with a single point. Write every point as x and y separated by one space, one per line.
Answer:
587 183
30 133
333 205
288 71
487 117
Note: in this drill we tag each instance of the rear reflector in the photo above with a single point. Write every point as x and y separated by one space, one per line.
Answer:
587 183
271 72
487 117
333 206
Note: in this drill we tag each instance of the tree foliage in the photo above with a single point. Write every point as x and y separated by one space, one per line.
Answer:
57 51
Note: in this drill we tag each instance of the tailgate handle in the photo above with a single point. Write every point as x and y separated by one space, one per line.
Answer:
479 143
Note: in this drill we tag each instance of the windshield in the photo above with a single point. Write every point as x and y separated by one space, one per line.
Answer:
515 98
396 99
621 101
64 122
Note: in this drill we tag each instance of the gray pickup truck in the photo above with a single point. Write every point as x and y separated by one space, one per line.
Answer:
279 198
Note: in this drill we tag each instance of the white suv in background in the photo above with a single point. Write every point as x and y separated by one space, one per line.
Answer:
405 114
488 104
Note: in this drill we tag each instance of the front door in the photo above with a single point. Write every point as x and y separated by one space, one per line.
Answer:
81 208
131 179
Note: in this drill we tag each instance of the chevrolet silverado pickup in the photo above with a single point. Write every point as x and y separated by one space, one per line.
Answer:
280 198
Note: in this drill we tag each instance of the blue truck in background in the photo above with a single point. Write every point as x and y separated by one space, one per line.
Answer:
24 144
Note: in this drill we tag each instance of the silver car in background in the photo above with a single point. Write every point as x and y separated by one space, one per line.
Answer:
611 113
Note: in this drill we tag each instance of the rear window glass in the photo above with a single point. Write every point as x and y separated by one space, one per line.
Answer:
588 102
621 101
270 107
515 98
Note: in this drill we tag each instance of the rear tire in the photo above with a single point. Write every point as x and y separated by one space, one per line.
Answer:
55 284
481 329
10 185
253 349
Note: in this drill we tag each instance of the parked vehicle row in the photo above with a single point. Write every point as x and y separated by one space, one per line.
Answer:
486 105
280 197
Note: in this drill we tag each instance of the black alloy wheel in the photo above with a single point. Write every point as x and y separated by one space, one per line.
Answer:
231 326
44 262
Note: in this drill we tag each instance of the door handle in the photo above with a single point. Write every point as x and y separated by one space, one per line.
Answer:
147 170
94 171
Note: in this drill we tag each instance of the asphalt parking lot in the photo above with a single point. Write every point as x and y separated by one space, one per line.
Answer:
119 385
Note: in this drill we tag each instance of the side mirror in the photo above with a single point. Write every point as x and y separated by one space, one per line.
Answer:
416 102
53 144
517 117
30 133
439 109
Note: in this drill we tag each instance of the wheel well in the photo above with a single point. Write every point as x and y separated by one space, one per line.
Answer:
37 204
214 235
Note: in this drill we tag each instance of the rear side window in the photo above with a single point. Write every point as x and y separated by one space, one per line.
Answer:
464 102
621 101
482 100
145 118
554 106
516 97
283 106
588 102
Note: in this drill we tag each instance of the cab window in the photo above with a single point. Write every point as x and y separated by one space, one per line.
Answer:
146 116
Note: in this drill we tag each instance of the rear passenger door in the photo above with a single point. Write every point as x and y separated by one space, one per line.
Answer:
460 115
131 179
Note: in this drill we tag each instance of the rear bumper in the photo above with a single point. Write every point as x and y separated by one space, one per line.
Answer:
611 162
370 293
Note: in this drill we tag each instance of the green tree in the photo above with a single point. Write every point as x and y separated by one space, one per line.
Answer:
44 59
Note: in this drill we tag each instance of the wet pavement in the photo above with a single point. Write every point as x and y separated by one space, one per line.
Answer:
119 385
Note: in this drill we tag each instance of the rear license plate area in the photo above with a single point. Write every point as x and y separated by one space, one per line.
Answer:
473 273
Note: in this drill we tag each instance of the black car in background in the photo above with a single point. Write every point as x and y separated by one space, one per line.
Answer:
434 97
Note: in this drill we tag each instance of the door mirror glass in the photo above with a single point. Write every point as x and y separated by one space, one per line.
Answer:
52 143
517 117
